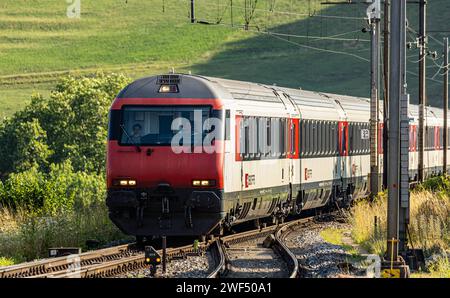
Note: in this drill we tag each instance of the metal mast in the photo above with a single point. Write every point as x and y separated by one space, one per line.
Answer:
445 98
386 62
422 87
374 16
398 145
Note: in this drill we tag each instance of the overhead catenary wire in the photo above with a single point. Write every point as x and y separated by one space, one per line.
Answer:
243 8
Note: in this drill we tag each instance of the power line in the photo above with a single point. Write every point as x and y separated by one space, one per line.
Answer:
316 48
316 38
293 13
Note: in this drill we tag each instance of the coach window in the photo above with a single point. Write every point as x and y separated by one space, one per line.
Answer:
254 137
313 137
307 137
241 138
319 138
351 138
293 140
282 136
268 137
330 137
276 136
313 146
246 149
448 133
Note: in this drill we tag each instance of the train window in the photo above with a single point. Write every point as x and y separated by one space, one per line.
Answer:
448 134
275 124
261 136
307 138
246 148
333 138
152 125
293 140
303 137
114 129
227 125
351 127
254 137
330 137
343 140
241 138
282 136
320 135
314 136
268 136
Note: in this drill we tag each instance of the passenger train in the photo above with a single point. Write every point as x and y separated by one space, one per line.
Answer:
275 151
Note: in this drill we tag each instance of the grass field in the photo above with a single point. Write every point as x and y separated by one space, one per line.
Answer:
39 43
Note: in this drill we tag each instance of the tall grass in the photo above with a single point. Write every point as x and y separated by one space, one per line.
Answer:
25 235
429 226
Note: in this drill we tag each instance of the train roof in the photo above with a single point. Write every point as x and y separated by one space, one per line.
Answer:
195 86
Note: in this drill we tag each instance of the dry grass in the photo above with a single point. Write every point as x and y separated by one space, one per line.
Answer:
25 236
429 226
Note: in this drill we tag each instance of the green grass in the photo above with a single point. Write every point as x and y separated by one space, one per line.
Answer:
38 44
336 237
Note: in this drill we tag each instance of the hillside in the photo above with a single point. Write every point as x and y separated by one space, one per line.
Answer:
39 43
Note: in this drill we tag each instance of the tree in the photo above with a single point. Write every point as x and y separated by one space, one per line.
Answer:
69 125
24 145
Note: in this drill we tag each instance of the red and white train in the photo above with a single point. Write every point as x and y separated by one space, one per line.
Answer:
281 151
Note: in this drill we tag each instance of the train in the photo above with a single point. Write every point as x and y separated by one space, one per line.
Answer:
190 155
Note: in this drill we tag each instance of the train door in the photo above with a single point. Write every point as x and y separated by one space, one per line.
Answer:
292 138
340 173
240 147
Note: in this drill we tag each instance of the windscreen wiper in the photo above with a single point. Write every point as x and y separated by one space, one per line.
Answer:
128 136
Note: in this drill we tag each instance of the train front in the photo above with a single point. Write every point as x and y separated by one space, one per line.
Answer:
165 157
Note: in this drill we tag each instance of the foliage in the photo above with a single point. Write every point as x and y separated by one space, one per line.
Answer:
47 193
436 184
29 235
429 225
6 261
24 145
71 124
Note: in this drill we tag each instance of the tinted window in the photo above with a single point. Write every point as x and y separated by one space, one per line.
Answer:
152 125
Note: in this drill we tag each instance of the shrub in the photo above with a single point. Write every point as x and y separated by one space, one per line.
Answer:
69 125
429 225
24 145
62 189
30 235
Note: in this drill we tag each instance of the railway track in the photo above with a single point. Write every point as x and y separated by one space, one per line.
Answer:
243 255
101 263
114 261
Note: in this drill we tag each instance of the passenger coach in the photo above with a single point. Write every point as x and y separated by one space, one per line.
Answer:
192 155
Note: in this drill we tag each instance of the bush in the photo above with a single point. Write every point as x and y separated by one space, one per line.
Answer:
30 235
429 224
24 145
69 125
62 189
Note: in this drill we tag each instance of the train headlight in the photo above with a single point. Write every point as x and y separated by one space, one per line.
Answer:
168 89
203 183
124 182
